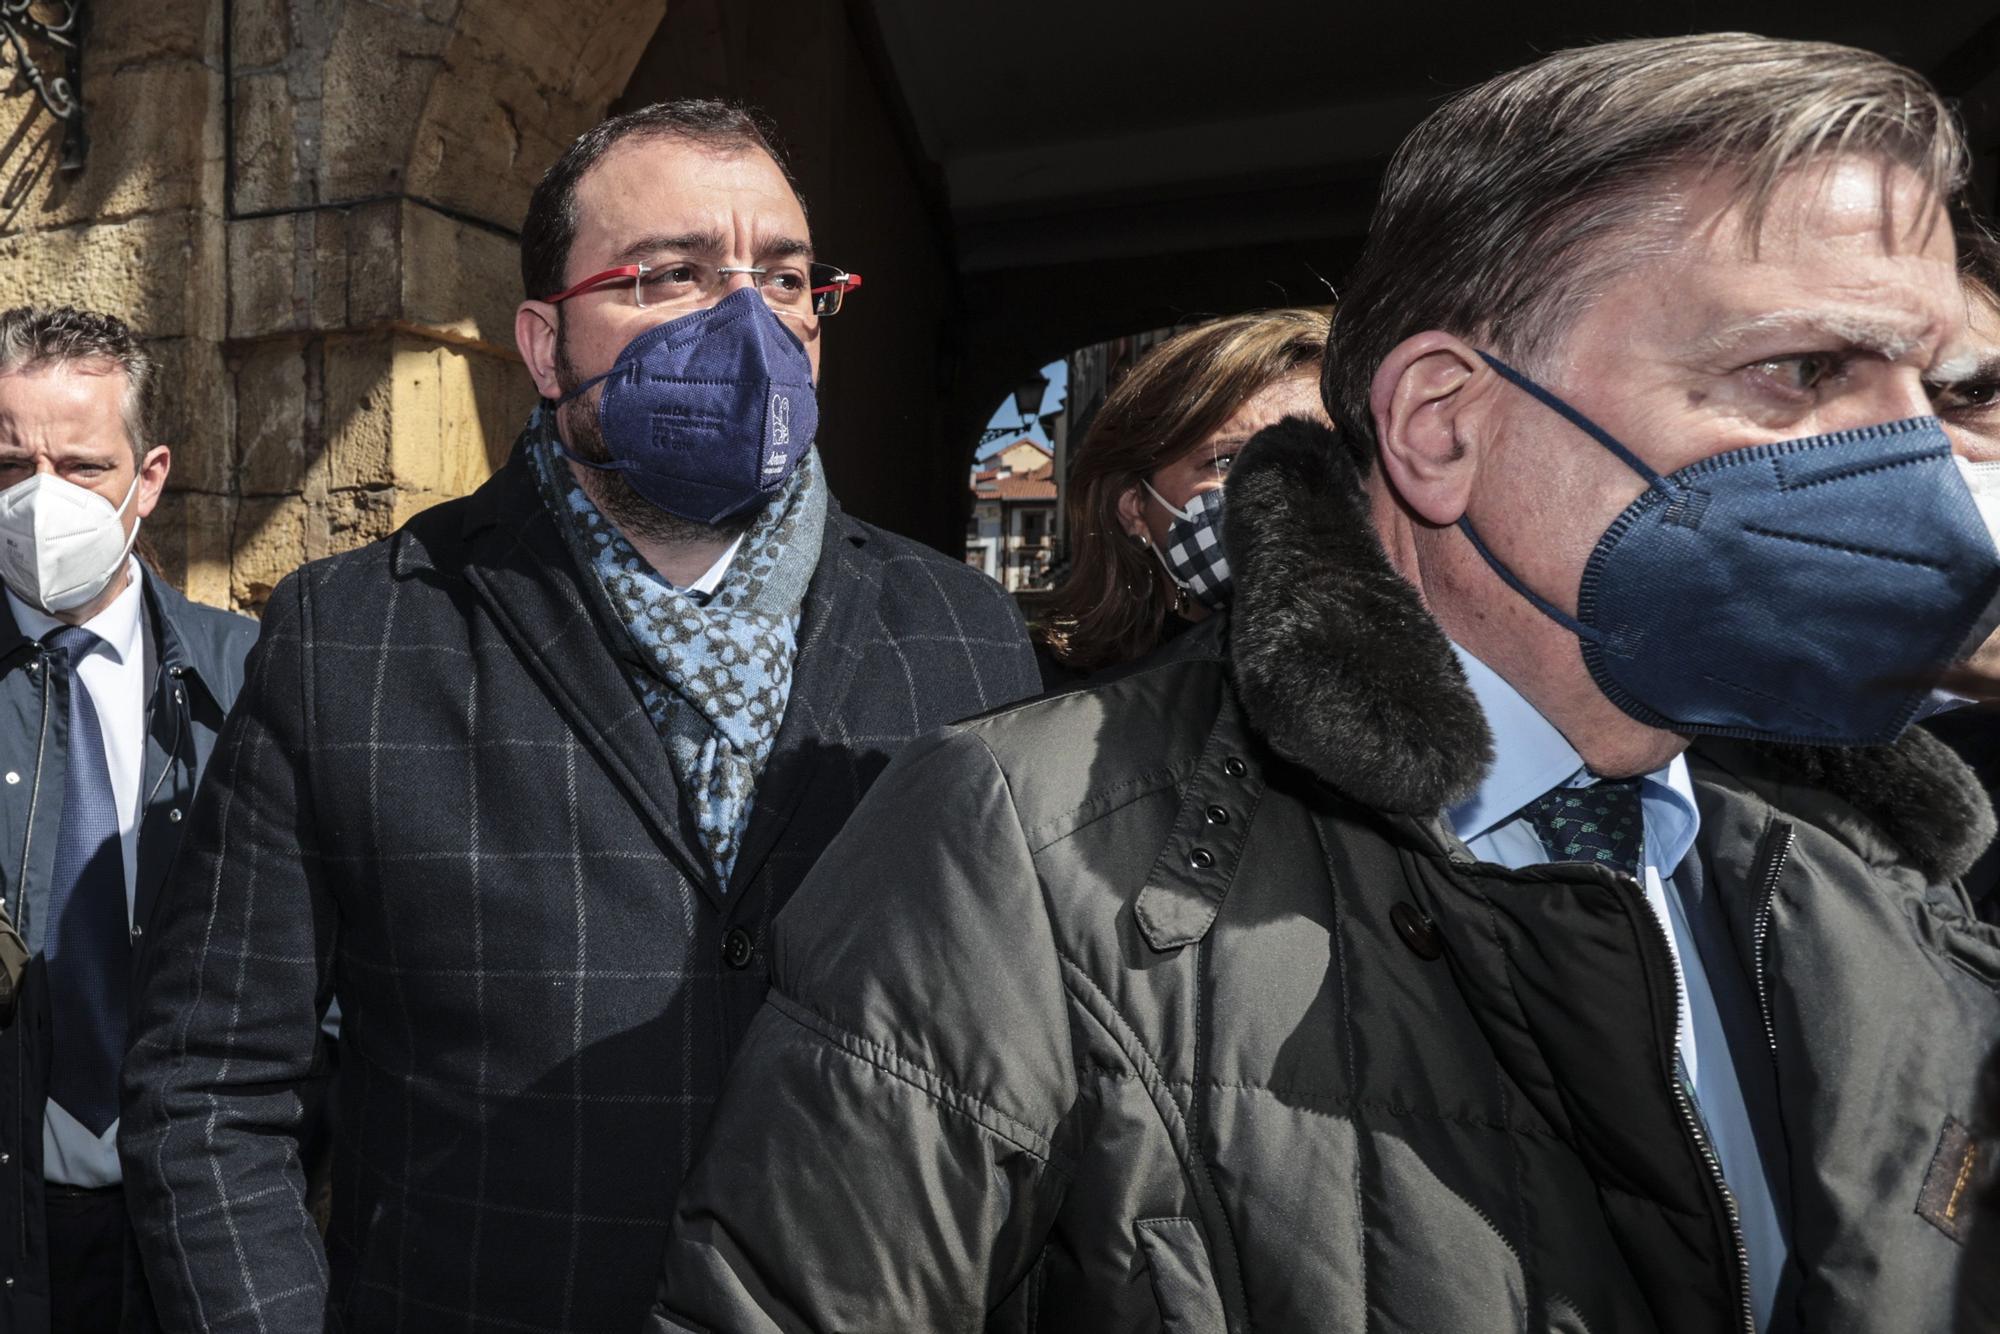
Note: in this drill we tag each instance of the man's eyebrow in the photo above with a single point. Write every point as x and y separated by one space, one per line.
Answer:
1966 368
784 247
696 243
1890 341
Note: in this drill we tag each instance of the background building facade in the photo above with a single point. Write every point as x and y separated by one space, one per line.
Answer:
310 207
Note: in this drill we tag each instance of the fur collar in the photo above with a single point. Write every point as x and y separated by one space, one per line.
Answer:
1342 670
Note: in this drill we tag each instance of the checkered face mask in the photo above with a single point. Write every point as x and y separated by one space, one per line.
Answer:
1194 558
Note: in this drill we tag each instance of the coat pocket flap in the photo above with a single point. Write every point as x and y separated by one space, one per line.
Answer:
1183 1281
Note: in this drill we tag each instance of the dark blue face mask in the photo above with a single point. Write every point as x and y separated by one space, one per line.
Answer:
1803 591
707 416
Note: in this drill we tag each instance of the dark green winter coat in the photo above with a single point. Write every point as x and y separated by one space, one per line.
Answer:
1172 1005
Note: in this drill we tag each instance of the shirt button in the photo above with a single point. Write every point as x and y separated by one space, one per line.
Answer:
13 777
174 815
737 948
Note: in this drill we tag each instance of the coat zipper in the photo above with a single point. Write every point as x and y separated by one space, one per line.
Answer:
1777 851
1692 1122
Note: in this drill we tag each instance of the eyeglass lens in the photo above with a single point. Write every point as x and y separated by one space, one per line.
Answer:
788 289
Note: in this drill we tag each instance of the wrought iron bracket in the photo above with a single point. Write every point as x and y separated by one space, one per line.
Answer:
57 24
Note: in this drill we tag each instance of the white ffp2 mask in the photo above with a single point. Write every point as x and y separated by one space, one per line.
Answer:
60 543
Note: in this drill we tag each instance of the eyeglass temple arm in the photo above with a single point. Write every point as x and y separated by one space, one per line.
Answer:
623 271
847 281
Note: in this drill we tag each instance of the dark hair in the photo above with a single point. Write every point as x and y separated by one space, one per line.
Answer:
1510 207
33 336
1978 255
1111 607
550 227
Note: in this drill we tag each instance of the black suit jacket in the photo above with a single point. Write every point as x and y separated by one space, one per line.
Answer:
441 800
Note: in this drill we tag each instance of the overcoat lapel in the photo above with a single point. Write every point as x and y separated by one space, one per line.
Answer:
842 595
518 564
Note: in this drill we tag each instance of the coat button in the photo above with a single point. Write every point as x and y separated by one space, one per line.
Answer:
1201 859
737 947
1217 815
1234 767
174 815
137 931
1417 931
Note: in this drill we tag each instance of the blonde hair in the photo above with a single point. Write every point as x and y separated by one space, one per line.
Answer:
1110 608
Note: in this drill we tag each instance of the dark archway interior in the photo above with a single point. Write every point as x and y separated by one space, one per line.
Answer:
1016 180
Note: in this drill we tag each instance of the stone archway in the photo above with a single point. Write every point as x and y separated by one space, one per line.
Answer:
319 245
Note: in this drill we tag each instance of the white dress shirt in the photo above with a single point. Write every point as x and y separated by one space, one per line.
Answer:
118 674
1530 758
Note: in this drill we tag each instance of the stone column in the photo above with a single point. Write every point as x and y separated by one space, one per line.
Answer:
309 207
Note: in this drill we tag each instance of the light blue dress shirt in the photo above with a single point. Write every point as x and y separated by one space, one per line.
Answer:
1530 758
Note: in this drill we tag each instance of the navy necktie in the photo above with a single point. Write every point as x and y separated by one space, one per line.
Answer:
1600 823
88 944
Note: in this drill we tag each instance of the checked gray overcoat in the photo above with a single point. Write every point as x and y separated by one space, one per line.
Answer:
441 802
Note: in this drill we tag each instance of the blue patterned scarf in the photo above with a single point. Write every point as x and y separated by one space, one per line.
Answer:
718 670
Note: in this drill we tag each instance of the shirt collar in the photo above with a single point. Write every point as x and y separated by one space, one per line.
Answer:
712 579
1530 757
118 626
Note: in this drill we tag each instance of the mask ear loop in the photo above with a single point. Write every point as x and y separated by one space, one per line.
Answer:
1513 581
1595 432
1180 589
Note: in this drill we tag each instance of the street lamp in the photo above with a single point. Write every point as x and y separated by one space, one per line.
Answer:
1028 398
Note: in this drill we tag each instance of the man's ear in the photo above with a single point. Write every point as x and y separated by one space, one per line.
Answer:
1424 399
535 325
153 469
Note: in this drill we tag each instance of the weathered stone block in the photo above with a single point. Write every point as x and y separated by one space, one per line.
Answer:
270 275
262 35
155 147
269 543
271 417
378 72
505 398
188 535
144 270
269 171
359 411
195 411
457 278
434 11
129 32
350 519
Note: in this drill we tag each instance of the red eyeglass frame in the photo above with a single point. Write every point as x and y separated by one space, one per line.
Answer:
845 283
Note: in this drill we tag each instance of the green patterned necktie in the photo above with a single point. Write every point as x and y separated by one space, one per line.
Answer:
1600 823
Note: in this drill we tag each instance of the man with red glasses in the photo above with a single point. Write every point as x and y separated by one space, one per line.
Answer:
523 786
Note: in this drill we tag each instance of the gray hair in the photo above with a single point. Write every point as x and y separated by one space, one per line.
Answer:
35 336
1509 208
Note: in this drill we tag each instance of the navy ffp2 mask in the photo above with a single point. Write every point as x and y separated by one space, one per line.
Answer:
1802 591
708 415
